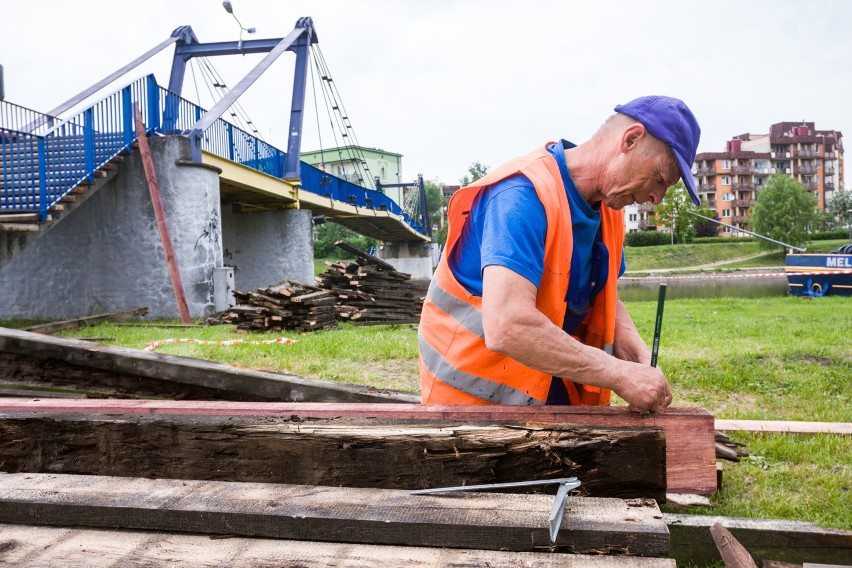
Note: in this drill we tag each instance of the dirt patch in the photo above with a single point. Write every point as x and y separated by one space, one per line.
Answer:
812 360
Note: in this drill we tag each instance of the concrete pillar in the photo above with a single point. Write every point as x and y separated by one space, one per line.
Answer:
106 254
267 247
415 258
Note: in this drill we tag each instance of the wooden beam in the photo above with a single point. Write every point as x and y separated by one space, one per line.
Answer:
27 545
160 215
59 361
611 462
690 452
733 554
363 516
57 326
786 541
787 426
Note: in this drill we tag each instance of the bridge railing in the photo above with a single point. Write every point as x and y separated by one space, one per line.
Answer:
233 143
42 159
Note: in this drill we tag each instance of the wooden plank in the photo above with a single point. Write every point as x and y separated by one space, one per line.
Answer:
792 427
690 452
57 326
337 514
160 214
27 546
785 541
610 462
733 554
364 256
53 358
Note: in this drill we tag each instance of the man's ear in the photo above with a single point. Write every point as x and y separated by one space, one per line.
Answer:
630 137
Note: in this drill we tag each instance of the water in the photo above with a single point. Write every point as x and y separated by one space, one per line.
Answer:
739 285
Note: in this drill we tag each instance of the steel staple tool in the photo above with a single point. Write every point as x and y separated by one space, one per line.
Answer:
557 511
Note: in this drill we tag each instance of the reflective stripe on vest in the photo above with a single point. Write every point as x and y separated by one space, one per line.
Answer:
462 312
479 387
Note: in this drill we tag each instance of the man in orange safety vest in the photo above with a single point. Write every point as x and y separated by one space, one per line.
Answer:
523 307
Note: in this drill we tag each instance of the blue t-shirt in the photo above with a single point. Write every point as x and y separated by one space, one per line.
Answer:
507 227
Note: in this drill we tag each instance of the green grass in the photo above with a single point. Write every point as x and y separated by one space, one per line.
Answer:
779 358
687 256
681 256
776 259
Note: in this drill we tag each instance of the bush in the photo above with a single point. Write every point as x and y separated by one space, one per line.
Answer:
647 239
702 240
830 235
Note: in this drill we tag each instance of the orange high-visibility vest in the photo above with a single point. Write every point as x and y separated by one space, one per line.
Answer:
455 365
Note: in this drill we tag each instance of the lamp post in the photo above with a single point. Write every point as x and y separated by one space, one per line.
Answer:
230 9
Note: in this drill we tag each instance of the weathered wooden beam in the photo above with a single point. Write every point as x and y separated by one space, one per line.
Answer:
336 514
733 554
690 452
612 462
28 546
785 541
32 358
57 326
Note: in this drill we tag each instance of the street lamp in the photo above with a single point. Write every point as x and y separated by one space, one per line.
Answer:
230 9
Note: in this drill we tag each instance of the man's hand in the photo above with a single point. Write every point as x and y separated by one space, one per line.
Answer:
645 388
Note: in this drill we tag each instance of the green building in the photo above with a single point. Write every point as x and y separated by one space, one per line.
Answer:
359 165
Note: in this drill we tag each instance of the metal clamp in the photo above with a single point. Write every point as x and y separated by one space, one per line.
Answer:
557 511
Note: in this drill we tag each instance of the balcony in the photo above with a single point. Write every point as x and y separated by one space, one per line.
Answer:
810 185
706 172
742 170
829 185
763 171
646 224
740 219
707 187
830 155
743 203
743 186
646 207
807 169
805 154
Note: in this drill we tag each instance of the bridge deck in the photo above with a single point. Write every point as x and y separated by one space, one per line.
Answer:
251 189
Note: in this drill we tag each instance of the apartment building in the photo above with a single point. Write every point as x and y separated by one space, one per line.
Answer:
731 180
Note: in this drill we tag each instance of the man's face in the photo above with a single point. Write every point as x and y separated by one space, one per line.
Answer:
645 175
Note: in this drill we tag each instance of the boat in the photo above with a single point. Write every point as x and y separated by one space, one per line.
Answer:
820 274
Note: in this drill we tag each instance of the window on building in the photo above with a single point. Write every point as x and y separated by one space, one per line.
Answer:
727 197
726 164
726 180
633 217
726 212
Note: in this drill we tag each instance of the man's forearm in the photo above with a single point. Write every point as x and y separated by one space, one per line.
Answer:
629 345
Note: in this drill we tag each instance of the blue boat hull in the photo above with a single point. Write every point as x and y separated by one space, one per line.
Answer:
828 274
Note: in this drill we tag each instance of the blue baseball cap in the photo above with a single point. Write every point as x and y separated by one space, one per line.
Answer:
670 120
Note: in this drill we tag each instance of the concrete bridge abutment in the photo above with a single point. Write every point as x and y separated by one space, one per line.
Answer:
416 258
106 254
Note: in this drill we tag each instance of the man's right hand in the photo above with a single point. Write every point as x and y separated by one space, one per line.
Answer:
644 388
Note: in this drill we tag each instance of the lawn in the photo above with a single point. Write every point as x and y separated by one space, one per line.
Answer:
780 358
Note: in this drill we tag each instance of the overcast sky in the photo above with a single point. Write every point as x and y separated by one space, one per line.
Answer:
450 82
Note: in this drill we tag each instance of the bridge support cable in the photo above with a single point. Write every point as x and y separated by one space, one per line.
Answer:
339 115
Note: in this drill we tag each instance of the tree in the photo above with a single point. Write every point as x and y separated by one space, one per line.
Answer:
672 213
435 200
705 228
327 234
474 172
784 211
838 211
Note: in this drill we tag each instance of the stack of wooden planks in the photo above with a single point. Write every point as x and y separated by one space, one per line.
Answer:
290 306
371 291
